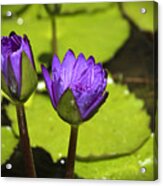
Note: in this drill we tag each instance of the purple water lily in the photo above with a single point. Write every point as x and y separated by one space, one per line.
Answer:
19 77
85 79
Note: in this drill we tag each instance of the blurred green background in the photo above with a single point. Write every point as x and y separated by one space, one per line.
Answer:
119 142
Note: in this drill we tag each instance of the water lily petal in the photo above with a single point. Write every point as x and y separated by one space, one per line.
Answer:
56 67
94 107
99 81
79 67
67 68
16 59
5 52
48 82
6 48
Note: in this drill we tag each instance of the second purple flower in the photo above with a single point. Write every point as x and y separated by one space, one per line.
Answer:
77 87
18 73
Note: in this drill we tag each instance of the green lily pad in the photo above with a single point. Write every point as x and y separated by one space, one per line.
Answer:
119 127
100 33
95 34
8 143
137 166
146 21
9 10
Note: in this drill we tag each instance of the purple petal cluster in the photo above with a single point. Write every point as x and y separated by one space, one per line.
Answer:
12 50
84 78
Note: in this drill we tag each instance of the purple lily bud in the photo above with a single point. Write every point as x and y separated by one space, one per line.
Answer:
77 87
18 73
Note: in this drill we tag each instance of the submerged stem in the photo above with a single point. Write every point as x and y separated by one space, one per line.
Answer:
71 152
24 140
54 35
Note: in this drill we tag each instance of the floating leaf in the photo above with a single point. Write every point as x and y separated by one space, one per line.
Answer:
9 11
119 127
8 143
137 166
94 33
146 21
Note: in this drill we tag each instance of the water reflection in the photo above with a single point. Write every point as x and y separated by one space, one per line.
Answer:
20 21
8 13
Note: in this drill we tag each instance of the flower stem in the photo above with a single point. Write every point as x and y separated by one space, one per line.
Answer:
54 35
71 152
25 144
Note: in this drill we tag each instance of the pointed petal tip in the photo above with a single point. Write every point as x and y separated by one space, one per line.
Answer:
44 71
25 38
69 54
55 56
91 61
55 60
12 33
56 64
42 66
81 55
70 51
91 58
